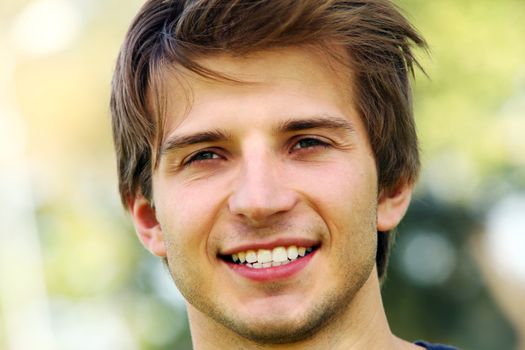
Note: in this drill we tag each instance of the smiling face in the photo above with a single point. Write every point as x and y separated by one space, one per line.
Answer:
266 199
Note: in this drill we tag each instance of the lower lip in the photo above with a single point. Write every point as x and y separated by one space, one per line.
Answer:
272 273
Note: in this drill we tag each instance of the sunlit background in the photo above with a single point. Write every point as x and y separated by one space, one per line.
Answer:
73 276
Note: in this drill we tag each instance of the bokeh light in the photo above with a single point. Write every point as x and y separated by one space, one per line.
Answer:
45 27
505 238
428 258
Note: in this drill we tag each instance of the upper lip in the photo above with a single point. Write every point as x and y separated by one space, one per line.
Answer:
300 242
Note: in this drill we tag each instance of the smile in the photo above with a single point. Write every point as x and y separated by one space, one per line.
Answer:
266 258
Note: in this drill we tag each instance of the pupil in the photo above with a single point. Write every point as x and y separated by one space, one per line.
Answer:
205 155
308 143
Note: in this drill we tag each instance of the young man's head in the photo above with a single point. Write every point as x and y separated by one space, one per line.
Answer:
266 149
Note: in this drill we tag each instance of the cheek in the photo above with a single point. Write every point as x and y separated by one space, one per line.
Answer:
187 213
339 187
346 199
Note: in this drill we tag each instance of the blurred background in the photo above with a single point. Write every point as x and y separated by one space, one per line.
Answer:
73 276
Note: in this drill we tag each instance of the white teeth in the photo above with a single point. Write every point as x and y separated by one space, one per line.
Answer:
268 258
251 256
279 254
292 252
264 256
301 251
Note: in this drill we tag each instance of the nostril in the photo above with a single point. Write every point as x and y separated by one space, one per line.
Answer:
259 191
258 208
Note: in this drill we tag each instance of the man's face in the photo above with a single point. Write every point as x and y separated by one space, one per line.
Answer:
251 170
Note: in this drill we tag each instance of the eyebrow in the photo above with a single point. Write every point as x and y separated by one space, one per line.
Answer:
177 142
316 122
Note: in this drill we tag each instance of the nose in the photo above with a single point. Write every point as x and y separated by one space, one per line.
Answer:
260 192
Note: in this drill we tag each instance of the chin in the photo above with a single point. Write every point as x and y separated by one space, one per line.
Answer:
282 327
279 331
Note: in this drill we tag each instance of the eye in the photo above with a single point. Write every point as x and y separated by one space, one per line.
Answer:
201 156
309 142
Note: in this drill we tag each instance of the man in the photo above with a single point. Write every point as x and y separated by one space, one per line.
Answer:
265 150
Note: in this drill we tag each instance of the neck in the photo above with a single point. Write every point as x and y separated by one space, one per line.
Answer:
362 325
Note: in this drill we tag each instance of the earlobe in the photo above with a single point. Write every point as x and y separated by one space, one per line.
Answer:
146 224
392 206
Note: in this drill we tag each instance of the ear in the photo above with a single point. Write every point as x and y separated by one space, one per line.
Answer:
392 206
146 224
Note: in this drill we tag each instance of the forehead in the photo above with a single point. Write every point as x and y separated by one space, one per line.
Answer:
271 83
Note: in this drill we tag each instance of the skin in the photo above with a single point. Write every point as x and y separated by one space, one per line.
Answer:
257 182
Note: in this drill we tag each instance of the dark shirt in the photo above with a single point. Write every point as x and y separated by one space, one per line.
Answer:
429 346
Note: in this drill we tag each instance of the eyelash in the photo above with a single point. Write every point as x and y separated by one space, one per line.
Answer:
317 143
199 157
207 155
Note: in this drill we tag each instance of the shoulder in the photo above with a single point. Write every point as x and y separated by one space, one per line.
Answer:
430 346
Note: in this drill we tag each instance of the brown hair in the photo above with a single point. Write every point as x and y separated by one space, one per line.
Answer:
375 35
